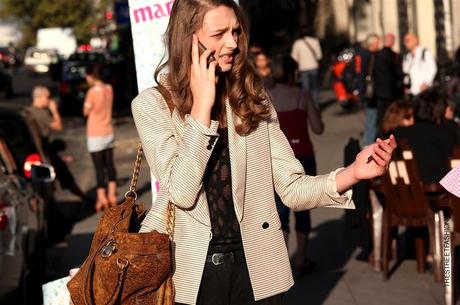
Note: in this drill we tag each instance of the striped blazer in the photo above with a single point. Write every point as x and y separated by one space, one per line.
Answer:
177 151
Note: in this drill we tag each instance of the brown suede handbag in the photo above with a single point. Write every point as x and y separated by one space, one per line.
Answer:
124 266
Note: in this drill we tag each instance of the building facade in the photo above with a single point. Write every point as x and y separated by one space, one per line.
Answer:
436 22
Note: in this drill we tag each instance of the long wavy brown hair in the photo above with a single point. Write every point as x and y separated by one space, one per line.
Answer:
241 85
395 114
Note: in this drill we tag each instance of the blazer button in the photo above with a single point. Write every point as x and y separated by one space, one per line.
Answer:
265 225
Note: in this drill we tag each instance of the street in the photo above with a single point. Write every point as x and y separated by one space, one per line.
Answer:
340 277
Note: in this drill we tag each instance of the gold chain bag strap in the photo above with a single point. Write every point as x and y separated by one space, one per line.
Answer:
124 266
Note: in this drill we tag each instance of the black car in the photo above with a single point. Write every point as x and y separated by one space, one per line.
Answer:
6 83
116 71
22 229
73 86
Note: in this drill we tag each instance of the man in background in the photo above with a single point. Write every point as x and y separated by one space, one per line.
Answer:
419 66
306 51
45 111
367 79
387 77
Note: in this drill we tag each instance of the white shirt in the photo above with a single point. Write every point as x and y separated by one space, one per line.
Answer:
305 56
421 71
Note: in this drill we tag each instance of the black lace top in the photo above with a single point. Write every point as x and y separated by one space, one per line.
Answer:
217 182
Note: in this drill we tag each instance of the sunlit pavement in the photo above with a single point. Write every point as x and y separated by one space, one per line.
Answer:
339 277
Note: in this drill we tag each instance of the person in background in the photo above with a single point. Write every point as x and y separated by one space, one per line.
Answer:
45 110
387 76
389 41
419 66
46 113
262 64
452 118
430 139
100 136
306 51
421 122
296 113
399 114
368 96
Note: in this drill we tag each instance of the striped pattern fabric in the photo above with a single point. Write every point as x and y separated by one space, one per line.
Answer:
178 150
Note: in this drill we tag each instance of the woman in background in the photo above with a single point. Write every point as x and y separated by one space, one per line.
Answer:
429 137
398 114
296 112
100 136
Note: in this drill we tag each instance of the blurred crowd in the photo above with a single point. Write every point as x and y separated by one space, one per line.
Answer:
401 94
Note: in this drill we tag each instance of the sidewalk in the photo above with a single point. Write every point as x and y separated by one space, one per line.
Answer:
341 279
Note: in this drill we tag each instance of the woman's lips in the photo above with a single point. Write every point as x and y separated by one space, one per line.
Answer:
228 58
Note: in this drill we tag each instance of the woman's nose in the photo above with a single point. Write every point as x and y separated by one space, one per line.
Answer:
231 42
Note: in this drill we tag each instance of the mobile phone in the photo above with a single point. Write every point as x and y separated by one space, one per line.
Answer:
201 49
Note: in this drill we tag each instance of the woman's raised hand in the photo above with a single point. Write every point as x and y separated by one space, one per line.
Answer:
373 160
202 83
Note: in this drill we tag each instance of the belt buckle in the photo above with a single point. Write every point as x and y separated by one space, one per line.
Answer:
219 258
216 259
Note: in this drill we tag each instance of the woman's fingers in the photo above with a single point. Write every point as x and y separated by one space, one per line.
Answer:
391 141
195 53
212 68
385 145
204 58
379 160
386 156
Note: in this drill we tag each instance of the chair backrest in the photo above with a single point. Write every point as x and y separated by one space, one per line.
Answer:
406 200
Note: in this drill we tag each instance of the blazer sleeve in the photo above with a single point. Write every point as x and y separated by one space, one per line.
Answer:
179 164
297 190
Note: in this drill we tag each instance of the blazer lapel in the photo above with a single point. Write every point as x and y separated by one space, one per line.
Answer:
201 210
237 148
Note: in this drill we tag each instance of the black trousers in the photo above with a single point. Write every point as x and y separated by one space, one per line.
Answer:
229 284
105 169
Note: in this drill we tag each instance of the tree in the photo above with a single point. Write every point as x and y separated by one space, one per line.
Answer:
35 14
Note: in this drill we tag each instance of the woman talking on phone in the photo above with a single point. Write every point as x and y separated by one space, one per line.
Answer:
211 136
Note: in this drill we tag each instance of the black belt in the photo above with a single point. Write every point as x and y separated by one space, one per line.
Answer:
226 257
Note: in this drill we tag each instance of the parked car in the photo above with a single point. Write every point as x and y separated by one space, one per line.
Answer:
6 82
23 132
39 60
73 86
116 72
22 229
8 58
